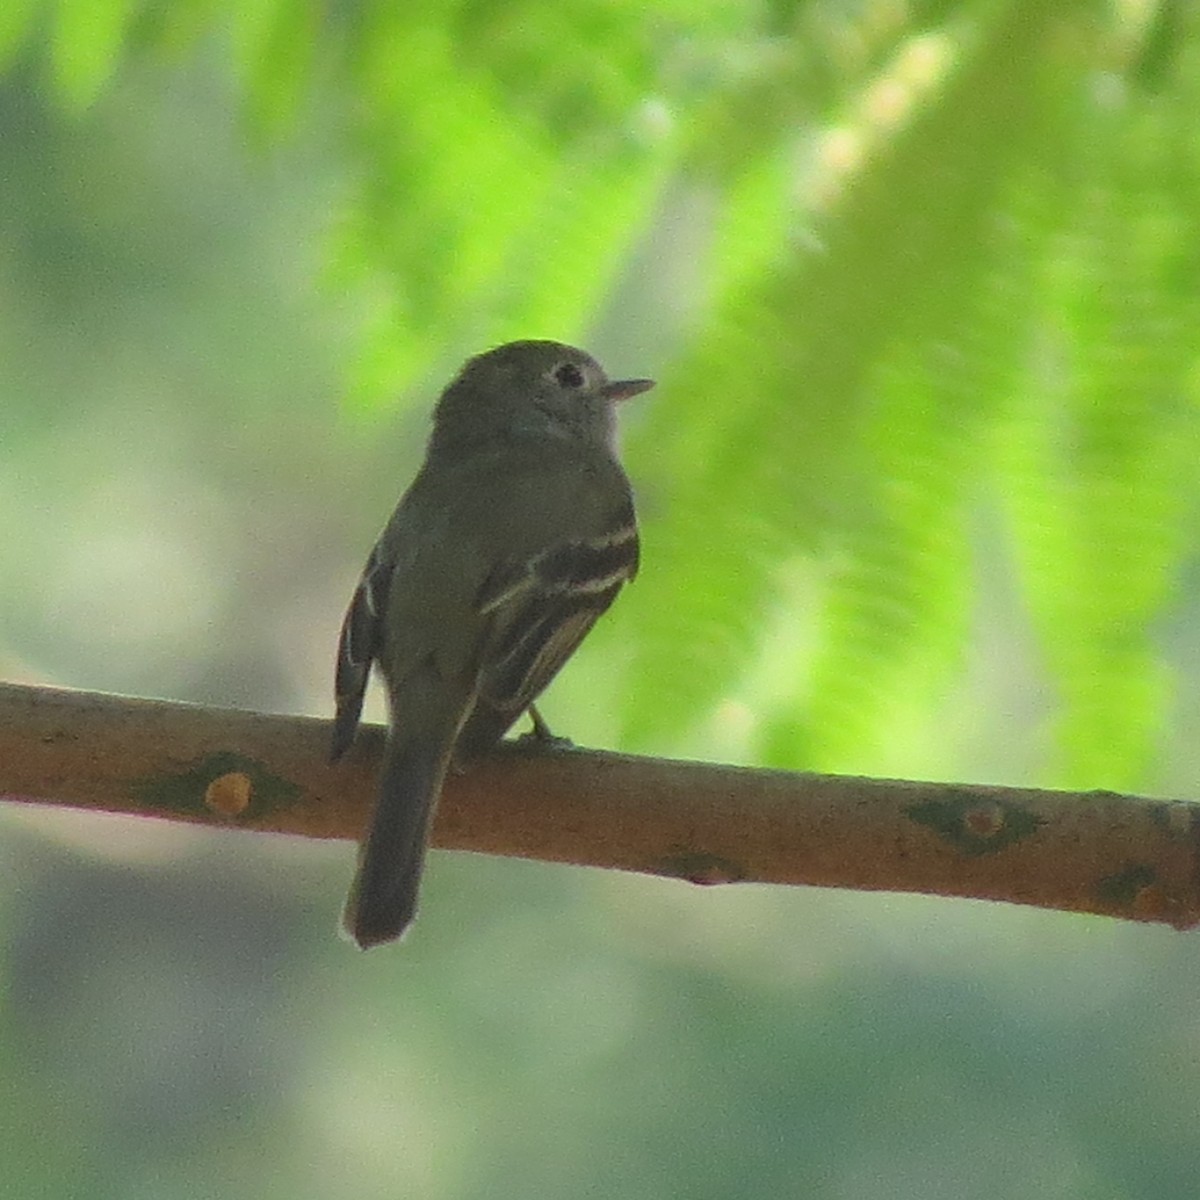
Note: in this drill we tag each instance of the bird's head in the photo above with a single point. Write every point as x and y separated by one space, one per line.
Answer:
532 388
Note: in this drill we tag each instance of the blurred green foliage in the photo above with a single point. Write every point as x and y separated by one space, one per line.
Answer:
901 264
920 281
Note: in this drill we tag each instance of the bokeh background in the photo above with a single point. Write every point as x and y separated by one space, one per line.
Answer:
921 284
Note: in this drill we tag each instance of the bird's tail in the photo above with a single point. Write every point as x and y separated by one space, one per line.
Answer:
383 897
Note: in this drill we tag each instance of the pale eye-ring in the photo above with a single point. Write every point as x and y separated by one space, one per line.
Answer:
569 375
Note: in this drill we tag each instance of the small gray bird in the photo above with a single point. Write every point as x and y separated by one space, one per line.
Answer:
516 534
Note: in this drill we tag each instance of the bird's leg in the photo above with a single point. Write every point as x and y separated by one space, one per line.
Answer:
541 732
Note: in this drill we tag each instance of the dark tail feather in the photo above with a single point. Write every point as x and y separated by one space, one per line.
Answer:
383 898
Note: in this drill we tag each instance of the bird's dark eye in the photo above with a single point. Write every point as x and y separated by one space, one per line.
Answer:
569 375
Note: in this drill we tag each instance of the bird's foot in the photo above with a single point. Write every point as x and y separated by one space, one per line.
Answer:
542 735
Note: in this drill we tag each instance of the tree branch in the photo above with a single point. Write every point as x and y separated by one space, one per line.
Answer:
1096 852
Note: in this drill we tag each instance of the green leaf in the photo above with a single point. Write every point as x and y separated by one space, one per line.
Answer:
87 46
1100 456
274 45
473 220
819 364
16 20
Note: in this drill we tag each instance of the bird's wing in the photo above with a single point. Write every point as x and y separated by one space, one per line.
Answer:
359 645
541 609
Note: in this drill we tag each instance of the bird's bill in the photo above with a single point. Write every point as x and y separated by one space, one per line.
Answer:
624 389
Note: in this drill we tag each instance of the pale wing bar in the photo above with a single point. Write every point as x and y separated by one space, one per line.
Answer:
360 642
551 605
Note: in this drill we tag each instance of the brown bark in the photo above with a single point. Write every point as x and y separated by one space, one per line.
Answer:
1097 852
